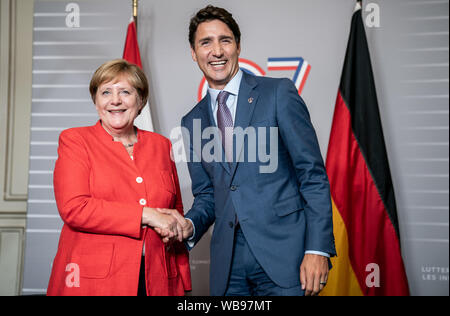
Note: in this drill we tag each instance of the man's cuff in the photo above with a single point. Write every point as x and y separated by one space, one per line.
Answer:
320 253
190 242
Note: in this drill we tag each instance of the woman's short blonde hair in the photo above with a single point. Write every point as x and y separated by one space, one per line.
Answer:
112 70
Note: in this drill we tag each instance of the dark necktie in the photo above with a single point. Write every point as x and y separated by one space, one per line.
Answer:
225 124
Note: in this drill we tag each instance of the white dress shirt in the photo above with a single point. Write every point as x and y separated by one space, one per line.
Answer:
233 89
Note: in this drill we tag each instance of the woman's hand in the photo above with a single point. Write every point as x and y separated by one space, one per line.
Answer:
187 229
165 225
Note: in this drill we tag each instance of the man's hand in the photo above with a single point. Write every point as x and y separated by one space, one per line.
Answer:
164 224
185 226
313 273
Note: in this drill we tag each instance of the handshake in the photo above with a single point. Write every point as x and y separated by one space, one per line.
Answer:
168 223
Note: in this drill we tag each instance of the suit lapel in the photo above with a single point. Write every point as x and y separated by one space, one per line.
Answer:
206 111
248 97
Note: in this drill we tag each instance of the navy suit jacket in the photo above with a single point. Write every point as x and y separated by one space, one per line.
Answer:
282 213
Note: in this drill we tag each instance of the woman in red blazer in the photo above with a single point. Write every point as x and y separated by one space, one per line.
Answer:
109 181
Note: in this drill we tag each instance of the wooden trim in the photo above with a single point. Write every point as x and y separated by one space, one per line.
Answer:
14 226
18 99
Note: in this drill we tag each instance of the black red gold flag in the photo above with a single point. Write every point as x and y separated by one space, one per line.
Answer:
365 218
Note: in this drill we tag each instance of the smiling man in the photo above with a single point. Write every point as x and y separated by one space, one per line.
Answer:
216 51
273 231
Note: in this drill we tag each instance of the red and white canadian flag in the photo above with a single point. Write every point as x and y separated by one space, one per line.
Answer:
131 54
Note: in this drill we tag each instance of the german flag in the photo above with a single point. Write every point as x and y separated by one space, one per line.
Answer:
365 219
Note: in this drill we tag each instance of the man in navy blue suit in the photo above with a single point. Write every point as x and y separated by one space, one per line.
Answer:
273 230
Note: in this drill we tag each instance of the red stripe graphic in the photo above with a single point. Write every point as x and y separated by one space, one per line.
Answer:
200 89
282 68
308 69
249 62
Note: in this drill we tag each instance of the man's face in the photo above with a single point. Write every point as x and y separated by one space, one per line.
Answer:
216 53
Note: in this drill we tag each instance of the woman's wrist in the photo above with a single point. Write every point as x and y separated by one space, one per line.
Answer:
147 216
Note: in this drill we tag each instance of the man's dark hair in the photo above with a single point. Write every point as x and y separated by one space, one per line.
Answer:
211 13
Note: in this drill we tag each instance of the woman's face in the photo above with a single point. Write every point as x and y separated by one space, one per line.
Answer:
118 104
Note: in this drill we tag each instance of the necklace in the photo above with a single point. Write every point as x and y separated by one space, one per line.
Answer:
128 145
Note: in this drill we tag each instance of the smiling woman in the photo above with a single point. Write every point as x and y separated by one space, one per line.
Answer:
120 91
114 185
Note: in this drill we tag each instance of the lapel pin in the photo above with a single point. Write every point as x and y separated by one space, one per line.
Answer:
250 100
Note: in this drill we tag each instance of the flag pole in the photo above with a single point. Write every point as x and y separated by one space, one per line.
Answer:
135 12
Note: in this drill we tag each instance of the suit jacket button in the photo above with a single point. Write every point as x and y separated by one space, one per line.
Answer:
231 224
233 188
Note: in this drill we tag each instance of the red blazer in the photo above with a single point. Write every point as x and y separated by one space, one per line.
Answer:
100 193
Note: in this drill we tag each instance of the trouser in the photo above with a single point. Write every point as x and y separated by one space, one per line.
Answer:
141 286
247 277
